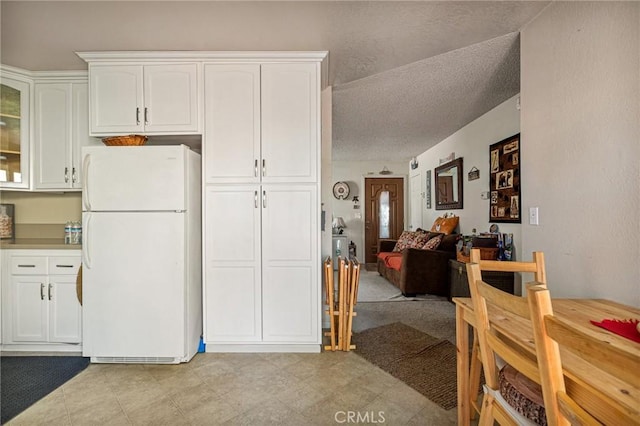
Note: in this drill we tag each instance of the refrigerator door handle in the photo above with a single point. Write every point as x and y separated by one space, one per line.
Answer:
85 182
85 243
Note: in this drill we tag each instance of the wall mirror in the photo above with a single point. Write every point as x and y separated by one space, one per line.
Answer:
448 185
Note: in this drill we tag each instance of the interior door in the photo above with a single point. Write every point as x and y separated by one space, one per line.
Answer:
384 212
415 218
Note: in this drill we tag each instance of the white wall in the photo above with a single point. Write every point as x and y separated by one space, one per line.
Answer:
354 172
580 71
472 144
326 194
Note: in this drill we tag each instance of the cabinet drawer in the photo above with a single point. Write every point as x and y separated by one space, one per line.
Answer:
28 265
64 265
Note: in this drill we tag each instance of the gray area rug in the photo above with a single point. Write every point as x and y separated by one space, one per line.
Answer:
424 362
375 288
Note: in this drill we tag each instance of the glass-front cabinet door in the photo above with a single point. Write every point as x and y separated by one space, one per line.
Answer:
14 133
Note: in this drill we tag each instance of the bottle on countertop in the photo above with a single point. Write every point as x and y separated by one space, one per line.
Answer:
67 232
76 233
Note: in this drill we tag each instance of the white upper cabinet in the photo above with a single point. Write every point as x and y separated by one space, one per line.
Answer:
14 130
232 123
151 99
61 130
290 122
261 123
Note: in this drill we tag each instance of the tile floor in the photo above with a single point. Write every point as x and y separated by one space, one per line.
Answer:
237 389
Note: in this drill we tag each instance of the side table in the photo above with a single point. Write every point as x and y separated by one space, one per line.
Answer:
460 284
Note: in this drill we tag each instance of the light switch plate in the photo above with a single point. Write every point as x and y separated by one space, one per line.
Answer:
533 216
484 195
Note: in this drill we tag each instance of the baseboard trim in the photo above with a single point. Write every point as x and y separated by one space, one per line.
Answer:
230 348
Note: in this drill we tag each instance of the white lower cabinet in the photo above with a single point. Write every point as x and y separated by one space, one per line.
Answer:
40 308
261 272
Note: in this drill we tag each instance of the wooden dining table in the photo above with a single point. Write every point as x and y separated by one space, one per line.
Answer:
617 402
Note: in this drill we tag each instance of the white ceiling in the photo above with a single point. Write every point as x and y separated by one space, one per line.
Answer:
405 75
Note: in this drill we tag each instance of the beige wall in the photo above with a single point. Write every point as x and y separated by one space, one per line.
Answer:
472 144
580 118
45 208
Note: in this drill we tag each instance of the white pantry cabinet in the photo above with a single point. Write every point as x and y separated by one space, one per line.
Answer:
61 130
40 309
261 264
150 98
261 155
261 122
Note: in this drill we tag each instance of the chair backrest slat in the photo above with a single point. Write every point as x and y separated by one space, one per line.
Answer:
536 266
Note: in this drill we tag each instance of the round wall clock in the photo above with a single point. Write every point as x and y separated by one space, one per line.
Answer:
341 190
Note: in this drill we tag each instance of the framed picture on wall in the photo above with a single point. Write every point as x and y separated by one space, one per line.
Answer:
504 181
428 189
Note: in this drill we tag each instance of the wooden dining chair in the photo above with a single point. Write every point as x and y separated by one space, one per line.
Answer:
498 343
352 295
330 291
537 268
617 368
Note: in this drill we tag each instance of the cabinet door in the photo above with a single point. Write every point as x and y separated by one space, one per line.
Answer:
171 98
290 291
65 315
116 99
53 136
29 319
232 264
80 131
290 122
14 133
232 123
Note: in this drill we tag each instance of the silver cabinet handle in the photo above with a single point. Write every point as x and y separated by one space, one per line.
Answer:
264 199
26 266
255 168
64 266
50 286
264 167
74 177
255 199
137 115
41 291
146 115
66 175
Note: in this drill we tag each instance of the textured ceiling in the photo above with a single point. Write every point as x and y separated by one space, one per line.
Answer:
400 113
405 74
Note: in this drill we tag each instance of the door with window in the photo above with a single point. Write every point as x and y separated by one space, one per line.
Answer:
384 212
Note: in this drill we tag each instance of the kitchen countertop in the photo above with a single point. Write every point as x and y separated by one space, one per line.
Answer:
38 243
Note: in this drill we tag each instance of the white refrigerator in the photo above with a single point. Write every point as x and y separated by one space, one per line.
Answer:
141 254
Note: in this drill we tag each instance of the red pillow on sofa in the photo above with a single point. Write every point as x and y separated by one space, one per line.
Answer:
394 262
387 254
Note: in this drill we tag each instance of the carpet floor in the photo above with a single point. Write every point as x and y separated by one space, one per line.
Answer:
375 288
26 379
424 362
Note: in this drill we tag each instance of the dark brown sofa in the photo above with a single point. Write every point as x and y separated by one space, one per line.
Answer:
421 271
